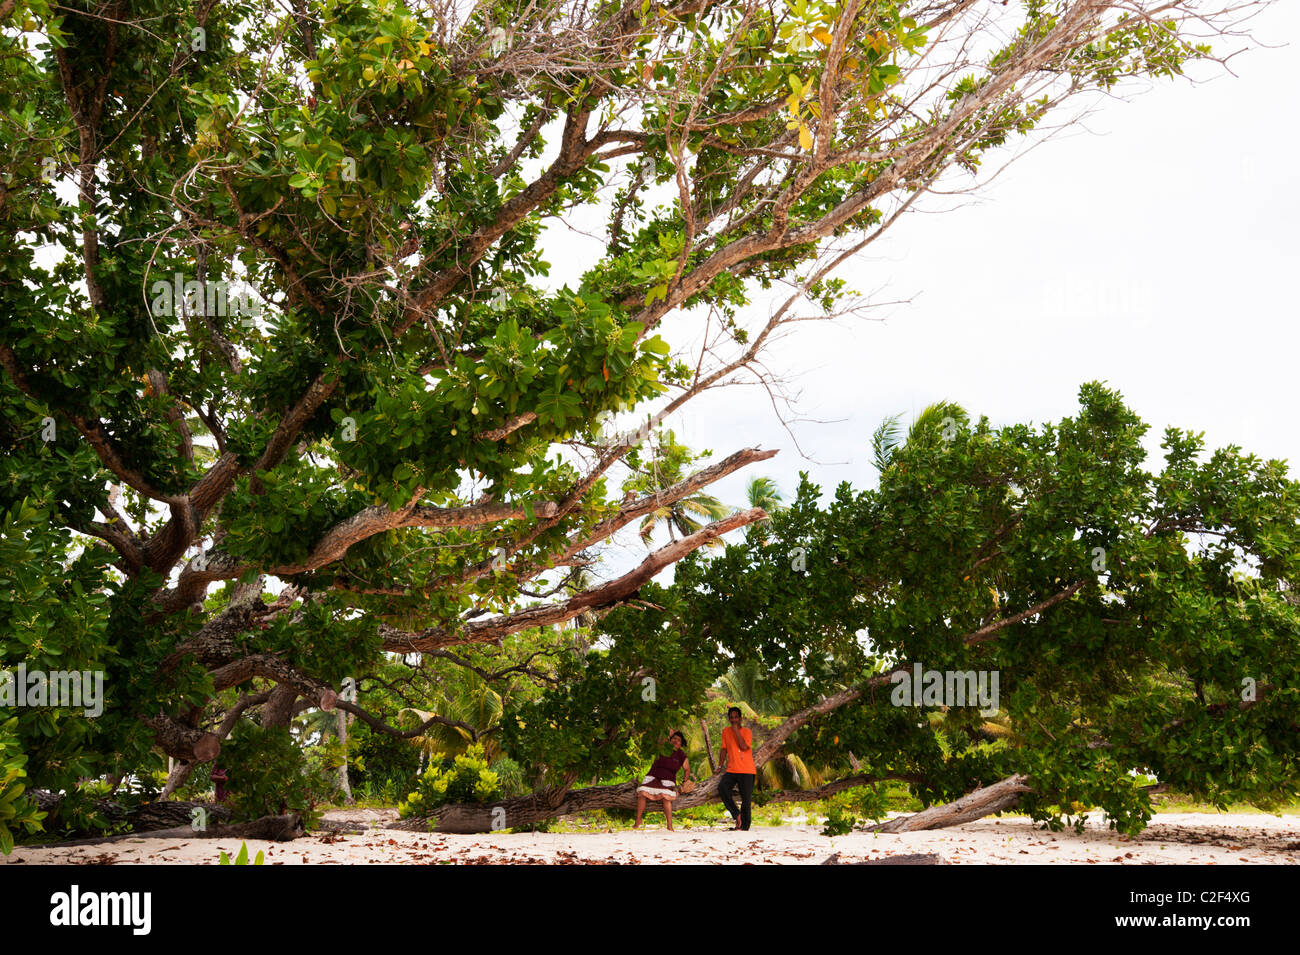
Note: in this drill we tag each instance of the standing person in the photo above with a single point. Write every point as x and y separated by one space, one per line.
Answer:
738 768
660 783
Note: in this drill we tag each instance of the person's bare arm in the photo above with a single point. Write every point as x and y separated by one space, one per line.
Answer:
741 743
686 765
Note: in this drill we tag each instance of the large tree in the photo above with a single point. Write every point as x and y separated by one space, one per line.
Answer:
284 384
1140 617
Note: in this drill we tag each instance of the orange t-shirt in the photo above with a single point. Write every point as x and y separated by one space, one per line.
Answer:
738 760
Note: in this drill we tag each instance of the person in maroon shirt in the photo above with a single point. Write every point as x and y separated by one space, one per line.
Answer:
660 784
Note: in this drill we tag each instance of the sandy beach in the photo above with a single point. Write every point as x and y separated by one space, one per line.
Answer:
1182 838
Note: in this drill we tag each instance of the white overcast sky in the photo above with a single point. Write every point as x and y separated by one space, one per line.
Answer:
1155 250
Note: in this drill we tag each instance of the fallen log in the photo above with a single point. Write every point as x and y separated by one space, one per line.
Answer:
976 804
905 858
524 811
143 818
271 828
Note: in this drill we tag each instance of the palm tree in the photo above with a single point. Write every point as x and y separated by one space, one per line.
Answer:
685 516
465 697
322 725
580 579
931 422
763 492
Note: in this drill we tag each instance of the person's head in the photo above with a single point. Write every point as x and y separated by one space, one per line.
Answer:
678 740
733 716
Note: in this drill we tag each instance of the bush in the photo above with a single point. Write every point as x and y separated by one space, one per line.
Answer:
511 774
268 775
466 778
844 809
380 762
839 821
15 811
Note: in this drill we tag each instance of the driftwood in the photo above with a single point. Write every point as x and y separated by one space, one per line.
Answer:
147 817
974 805
527 810
273 828
907 858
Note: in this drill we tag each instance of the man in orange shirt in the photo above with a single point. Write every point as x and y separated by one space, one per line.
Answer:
737 768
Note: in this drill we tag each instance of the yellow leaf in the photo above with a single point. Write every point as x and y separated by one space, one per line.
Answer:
823 34
805 138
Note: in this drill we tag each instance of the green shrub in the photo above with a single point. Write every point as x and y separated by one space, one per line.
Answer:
839 821
382 762
844 810
466 778
269 775
511 774
242 858
14 810
868 802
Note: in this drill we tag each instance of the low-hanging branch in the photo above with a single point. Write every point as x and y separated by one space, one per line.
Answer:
604 595
526 810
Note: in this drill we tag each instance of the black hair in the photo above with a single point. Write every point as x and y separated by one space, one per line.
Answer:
736 710
679 735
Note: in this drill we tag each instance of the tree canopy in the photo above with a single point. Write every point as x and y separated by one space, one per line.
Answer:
286 386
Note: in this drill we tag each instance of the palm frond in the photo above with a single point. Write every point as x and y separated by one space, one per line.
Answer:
931 419
763 492
885 441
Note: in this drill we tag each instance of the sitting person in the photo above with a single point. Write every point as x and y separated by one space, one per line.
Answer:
660 783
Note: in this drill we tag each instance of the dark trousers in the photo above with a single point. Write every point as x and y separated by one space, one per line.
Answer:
745 781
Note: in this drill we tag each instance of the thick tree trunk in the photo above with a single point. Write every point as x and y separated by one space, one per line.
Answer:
278 710
974 805
527 810
180 772
145 818
273 828
184 742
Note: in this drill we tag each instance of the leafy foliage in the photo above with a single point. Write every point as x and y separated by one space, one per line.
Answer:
460 779
242 857
285 782
377 179
14 812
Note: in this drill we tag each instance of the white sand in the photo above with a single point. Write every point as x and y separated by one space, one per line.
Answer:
1184 838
